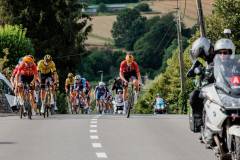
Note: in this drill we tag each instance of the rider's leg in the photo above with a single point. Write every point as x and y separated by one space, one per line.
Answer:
136 85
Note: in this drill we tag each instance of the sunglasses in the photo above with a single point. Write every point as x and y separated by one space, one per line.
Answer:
224 52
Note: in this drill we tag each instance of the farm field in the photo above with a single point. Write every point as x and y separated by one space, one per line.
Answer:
102 25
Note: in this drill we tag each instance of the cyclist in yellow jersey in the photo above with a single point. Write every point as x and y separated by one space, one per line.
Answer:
69 84
47 70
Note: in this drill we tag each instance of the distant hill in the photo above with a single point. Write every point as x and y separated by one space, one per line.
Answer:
102 25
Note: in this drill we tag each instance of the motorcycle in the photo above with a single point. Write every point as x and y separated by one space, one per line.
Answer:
220 127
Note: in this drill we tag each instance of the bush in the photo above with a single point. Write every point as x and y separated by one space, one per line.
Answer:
102 7
62 103
143 7
14 38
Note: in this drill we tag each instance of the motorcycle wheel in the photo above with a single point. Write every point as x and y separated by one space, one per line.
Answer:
236 148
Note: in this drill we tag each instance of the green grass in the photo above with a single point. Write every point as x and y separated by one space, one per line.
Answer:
109 40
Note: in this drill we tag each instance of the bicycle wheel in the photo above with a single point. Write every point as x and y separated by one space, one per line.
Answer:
21 111
28 106
47 101
130 100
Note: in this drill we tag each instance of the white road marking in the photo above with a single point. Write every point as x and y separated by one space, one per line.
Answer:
93 122
93 126
94 137
93 131
101 155
96 145
94 119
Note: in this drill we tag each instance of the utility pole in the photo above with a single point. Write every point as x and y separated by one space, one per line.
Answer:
101 75
181 62
201 18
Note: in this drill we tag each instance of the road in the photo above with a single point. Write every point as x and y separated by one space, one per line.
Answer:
92 137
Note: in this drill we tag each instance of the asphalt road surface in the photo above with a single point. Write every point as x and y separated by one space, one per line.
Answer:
92 137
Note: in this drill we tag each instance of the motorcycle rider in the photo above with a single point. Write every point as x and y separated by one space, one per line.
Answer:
223 46
202 48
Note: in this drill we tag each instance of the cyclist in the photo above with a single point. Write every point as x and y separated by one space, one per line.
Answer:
100 93
80 85
108 101
117 85
158 104
27 73
13 77
88 93
69 84
47 70
129 71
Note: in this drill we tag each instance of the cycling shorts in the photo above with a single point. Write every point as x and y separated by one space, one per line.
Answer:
130 75
27 80
44 77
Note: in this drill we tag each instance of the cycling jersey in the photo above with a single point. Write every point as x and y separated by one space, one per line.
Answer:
125 68
80 84
45 69
27 69
101 92
129 71
69 84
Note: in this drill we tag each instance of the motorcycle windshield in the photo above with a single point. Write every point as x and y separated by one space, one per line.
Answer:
227 73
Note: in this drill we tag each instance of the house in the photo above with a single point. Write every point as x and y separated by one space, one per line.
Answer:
93 9
90 9
116 7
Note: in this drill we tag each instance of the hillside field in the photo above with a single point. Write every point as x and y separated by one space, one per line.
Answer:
102 25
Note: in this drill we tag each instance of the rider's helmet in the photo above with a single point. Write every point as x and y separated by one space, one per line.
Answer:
70 75
31 56
47 58
200 48
77 77
101 84
129 58
157 95
224 46
27 59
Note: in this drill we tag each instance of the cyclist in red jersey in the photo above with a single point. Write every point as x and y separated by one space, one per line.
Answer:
129 71
27 73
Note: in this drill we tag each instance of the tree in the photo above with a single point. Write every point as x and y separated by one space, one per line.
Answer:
130 26
143 7
56 27
102 7
14 38
149 48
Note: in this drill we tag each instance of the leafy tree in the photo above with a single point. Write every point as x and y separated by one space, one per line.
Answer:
104 60
102 7
149 49
143 7
57 27
130 26
14 38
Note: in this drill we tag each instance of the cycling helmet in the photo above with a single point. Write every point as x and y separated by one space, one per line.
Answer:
27 59
224 44
101 84
47 58
77 77
200 48
129 58
70 75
